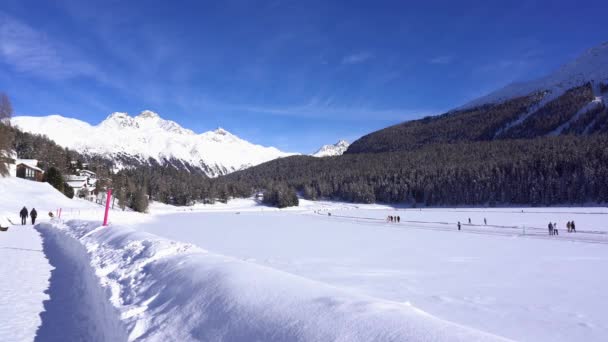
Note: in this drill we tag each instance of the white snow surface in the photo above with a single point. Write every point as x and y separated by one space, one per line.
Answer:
336 149
242 271
147 135
508 278
591 66
24 268
170 291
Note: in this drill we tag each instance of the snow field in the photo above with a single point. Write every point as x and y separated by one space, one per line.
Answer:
524 287
166 290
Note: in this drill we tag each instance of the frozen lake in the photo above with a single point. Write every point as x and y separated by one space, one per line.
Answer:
499 278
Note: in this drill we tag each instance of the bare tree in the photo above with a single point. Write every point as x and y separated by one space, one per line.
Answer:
6 136
6 108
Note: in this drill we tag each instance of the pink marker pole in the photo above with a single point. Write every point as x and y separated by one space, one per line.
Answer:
108 200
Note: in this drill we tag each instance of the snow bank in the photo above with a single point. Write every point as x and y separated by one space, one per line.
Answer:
165 290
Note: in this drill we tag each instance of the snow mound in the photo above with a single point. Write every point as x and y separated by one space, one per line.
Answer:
336 149
165 290
146 136
591 66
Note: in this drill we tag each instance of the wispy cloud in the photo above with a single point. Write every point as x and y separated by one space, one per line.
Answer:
28 50
442 60
357 58
317 111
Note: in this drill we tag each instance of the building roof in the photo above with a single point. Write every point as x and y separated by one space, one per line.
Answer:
76 184
30 162
30 167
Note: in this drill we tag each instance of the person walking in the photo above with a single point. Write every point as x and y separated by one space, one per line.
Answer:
23 214
469 220
485 222
458 225
33 215
398 219
568 226
550 228
555 231
573 227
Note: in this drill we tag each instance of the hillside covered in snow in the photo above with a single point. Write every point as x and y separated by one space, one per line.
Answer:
148 136
336 149
569 101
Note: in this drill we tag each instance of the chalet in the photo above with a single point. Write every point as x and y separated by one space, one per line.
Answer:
83 184
30 172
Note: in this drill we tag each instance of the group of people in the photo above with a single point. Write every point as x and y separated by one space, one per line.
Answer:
24 215
554 231
395 219
571 227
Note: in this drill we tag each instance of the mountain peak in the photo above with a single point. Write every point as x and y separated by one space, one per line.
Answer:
336 149
118 116
119 120
148 114
221 131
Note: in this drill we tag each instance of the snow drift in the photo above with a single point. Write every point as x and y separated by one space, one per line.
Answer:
165 290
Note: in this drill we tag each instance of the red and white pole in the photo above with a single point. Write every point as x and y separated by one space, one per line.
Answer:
108 199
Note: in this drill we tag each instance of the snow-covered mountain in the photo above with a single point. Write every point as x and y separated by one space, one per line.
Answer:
573 100
591 66
336 149
147 136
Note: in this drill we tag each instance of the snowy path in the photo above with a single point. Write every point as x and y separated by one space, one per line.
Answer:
78 309
25 273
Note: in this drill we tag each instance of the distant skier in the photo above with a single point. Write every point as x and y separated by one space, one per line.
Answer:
555 231
485 222
568 226
458 225
33 215
469 220
398 219
23 213
550 228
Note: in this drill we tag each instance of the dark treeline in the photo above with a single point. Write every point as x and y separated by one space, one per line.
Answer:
541 171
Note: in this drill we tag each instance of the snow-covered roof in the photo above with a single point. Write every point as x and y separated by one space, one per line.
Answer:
29 162
35 168
76 178
76 184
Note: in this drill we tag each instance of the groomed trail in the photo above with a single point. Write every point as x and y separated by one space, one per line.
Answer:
586 236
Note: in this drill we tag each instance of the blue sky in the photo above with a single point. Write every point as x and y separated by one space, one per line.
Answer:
292 74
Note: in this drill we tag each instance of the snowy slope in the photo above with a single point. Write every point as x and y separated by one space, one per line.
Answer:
336 149
149 136
591 66
24 267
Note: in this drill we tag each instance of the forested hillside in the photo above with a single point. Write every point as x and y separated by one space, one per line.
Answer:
542 171
575 112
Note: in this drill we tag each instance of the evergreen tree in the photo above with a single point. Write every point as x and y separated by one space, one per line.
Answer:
54 177
140 201
68 191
